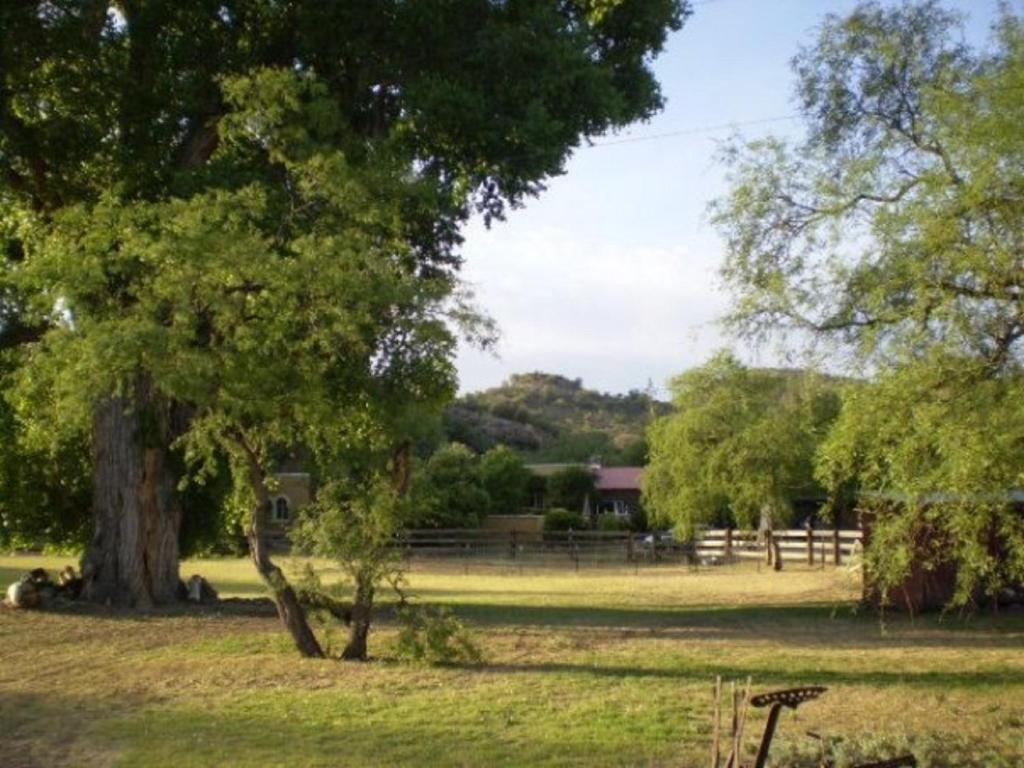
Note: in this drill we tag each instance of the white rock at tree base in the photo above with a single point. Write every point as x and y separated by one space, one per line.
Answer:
22 594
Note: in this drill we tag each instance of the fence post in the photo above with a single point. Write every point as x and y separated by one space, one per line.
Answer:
512 543
728 545
836 549
810 545
629 547
768 546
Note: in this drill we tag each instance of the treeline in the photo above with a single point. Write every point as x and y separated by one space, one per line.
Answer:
456 488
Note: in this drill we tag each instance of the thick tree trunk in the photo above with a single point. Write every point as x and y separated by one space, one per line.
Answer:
132 559
290 611
359 632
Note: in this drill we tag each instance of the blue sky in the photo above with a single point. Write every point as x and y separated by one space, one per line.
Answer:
610 275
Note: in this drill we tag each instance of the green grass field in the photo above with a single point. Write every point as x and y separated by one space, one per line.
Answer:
596 668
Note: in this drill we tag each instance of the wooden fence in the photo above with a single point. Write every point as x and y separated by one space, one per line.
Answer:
812 546
554 548
597 548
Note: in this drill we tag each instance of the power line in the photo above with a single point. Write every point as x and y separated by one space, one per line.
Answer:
697 130
715 128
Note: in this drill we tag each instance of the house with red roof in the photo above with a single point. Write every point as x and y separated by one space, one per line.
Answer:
618 488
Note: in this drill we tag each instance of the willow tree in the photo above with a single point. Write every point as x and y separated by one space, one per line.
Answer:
893 233
739 446
115 112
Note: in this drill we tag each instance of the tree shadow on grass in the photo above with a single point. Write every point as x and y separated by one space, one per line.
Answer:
764 676
816 624
40 731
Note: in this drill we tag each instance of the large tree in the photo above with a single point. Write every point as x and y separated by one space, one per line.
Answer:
284 315
112 124
894 234
739 447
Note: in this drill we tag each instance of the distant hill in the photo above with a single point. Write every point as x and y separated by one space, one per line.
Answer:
547 417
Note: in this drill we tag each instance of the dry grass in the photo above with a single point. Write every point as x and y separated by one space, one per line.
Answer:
610 667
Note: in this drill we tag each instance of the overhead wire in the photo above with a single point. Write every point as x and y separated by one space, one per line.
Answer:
695 131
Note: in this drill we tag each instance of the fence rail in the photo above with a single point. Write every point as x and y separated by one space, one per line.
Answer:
590 548
547 548
813 546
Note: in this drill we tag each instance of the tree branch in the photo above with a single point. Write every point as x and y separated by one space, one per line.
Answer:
200 145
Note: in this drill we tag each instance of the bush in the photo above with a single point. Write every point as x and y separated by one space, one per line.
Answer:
610 522
435 636
638 522
447 491
932 750
563 520
505 479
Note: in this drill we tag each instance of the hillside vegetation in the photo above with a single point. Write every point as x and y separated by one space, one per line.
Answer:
547 417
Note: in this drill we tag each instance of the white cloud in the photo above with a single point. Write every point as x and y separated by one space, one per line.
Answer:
611 313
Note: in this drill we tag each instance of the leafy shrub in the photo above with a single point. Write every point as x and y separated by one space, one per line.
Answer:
610 522
932 750
505 479
563 520
447 491
433 635
638 521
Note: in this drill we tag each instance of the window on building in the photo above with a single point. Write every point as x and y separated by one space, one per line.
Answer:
282 510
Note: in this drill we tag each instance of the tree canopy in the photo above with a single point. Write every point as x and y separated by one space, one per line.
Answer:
897 223
739 448
447 490
233 225
893 235
505 479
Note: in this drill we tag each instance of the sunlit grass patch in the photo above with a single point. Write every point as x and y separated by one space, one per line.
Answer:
597 668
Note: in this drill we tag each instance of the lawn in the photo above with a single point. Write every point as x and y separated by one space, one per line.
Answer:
596 668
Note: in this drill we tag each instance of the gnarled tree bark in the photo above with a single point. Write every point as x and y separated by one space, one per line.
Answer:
132 559
289 609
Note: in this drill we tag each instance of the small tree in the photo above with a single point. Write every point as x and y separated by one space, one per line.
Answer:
571 488
505 479
354 523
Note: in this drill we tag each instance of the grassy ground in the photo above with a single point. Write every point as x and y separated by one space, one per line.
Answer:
595 668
